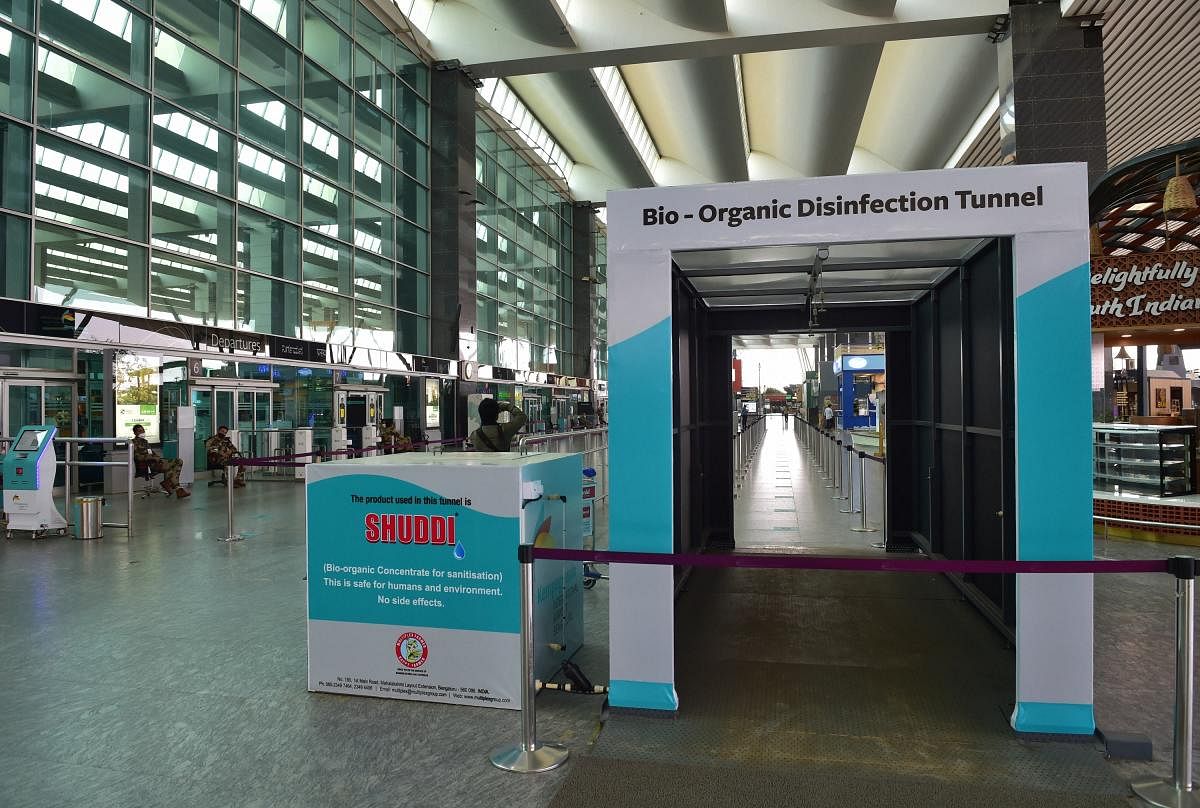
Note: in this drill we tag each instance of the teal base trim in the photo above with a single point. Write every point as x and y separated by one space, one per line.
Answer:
1054 718
642 695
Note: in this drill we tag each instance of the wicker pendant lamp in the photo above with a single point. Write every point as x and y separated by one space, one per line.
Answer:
1096 245
1178 197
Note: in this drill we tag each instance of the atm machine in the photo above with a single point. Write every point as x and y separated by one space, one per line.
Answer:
29 468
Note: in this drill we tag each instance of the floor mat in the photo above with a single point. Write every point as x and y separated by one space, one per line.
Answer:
596 782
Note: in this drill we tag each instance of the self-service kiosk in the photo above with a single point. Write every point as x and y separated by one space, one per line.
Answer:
29 470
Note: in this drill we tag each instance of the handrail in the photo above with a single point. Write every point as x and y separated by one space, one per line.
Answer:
526 438
594 442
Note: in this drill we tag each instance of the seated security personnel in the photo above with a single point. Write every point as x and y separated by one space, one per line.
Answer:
392 441
144 457
220 449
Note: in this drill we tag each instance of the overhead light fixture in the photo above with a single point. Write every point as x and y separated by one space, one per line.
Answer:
999 30
1123 355
1179 197
1177 330
1126 336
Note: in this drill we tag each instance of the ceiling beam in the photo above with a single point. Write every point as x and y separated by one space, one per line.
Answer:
784 267
605 35
829 290
794 320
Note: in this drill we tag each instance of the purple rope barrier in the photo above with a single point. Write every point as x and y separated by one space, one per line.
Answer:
276 461
814 562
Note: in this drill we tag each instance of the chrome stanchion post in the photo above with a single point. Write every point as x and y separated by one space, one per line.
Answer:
67 478
529 755
841 476
882 545
834 474
128 488
229 486
862 495
846 475
1177 791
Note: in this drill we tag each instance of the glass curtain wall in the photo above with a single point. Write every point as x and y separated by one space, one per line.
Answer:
523 237
261 166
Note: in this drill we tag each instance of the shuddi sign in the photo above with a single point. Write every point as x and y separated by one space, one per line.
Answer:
1150 289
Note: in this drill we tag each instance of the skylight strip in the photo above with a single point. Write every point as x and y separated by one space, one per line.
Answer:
623 106
500 97
741 94
972 135
419 13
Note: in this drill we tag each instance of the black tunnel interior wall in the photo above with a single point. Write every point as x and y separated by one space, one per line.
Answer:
703 406
951 473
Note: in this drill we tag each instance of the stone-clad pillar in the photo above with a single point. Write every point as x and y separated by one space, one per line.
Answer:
583 288
452 315
1052 89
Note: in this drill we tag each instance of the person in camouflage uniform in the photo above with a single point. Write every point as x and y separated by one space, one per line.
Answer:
143 455
220 449
391 441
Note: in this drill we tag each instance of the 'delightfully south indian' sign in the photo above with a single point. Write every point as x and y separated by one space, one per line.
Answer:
1151 289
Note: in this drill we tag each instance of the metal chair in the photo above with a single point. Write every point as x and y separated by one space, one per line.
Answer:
142 471
214 464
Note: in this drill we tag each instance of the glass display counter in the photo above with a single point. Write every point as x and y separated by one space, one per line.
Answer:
1142 459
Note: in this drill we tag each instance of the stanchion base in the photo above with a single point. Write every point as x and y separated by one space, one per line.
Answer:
841 498
845 510
867 530
879 545
1164 793
234 537
542 758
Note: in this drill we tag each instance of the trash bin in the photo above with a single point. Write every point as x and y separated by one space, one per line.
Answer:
89 517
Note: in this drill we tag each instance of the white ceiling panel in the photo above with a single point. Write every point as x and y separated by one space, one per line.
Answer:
679 101
926 95
826 86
